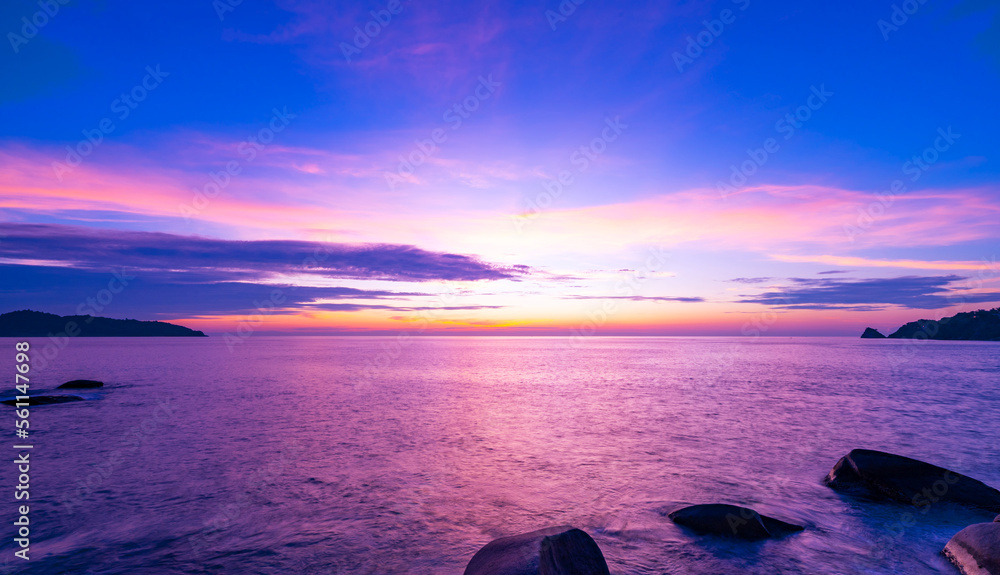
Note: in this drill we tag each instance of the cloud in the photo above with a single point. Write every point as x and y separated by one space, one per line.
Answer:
940 265
639 298
157 294
227 260
360 307
275 199
751 280
830 272
425 50
930 292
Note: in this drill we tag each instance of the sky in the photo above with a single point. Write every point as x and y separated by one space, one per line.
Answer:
553 168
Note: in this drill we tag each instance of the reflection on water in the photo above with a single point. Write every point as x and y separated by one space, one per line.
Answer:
305 455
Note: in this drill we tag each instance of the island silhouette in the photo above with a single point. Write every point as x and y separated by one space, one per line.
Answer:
979 325
29 323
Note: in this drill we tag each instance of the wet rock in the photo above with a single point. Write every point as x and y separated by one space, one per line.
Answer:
975 550
559 550
81 384
886 476
572 552
43 400
731 521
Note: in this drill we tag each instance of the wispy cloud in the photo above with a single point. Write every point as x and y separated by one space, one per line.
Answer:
941 265
691 299
421 46
930 292
360 307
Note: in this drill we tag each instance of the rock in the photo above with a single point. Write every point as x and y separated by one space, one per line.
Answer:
559 550
872 333
572 552
974 325
996 519
731 521
975 550
44 400
884 475
81 384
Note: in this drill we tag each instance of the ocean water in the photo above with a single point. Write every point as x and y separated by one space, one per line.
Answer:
370 455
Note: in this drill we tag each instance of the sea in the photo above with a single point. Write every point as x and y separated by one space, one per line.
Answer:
375 455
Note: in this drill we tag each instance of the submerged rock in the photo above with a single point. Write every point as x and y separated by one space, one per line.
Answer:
975 550
872 333
81 384
43 400
732 521
884 475
561 550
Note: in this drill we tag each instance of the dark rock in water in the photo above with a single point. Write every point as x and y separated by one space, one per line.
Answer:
884 475
81 384
975 550
872 333
996 519
511 555
44 400
572 552
732 521
559 550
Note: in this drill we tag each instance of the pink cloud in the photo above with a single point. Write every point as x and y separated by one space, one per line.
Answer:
299 192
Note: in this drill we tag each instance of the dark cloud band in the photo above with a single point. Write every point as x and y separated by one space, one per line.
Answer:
914 292
227 260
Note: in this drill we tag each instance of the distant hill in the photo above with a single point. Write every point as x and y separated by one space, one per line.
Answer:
872 333
27 323
982 325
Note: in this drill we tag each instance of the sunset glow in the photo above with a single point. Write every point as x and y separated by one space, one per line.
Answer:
517 175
